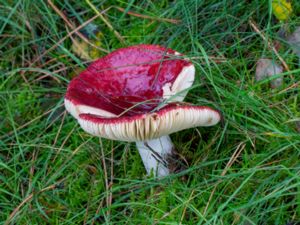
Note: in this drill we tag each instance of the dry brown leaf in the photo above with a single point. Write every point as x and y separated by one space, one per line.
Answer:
266 68
294 40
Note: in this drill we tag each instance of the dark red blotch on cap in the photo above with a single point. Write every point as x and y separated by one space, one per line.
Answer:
128 77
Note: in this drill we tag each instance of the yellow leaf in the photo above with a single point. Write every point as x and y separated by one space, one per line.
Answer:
85 50
282 9
80 48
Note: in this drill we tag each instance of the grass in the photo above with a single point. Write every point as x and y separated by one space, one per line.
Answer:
244 171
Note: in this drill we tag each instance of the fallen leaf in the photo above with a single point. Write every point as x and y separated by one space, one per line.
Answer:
81 49
294 41
266 68
85 50
282 9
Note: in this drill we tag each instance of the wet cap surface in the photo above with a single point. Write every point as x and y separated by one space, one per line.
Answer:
131 77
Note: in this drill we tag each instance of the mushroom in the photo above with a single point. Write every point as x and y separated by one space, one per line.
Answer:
135 94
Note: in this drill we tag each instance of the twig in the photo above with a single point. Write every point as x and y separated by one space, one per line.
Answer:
174 21
233 158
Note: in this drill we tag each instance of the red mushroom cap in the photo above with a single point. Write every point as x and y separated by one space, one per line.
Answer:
134 77
127 85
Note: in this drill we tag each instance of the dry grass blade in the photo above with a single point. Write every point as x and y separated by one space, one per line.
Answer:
185 207
111 174
89 199
59 129
34 156
215 59
233 158
97 211
108 24
37 43
105 177
270 45
174 21
157 221
64 142
26 81
29 122
108 186
29 198
67 160
64 38
69 24
293 86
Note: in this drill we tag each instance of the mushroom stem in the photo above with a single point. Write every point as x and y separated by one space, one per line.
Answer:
155 153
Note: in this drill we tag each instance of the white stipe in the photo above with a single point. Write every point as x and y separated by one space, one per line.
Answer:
155 153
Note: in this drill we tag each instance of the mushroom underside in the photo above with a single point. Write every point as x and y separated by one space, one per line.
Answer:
151 125
150 131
